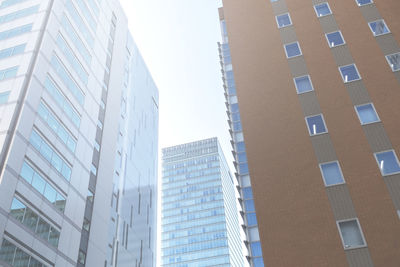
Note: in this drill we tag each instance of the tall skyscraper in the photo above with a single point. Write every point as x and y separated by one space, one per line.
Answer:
78 137
200 225
318 89
245 190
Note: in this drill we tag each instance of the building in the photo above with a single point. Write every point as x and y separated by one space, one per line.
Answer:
78 137
318 89
245 191
199 223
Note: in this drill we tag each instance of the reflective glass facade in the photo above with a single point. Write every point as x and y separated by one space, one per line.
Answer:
78 137
239 152
200 225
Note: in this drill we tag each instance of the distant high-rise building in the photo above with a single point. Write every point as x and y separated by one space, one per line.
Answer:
245 191
317 85
200 224
78 137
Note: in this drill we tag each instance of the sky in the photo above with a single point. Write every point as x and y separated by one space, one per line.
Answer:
178 41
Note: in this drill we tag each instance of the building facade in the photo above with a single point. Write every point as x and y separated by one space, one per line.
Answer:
73 93
200 225
250 226
318 89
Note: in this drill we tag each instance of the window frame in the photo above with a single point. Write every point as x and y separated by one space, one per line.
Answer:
387 59
320 4
373 107
323 176
358 4
343 77
396 158
341 35
295 84
373 33
323 120
277 22
359 228
298 44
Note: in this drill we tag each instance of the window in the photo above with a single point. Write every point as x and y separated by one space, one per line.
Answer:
303 84
335 39
316 125
15 31
256 249
350 232
387 162
251 219
249 204
322 10
378 27
363 2
283 20
292 50
247 193
349 73
331 173
19 14
12 51
394 61
81 257
258 262
367 113
8 73
4 97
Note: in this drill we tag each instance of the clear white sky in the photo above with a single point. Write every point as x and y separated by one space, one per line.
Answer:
178 40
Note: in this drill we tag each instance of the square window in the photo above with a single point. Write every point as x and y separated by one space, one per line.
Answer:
350 232
394 61
378 27
363 2
334 39
258 262
247 193
251 219
316 125
388 162
249 204
349 73
367 113
322 10
331 173
283 20
256 249
292 50
303 84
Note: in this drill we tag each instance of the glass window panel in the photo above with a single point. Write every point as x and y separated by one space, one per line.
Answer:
43 229
331 173
31 219
388 162
256 249
316 125
251 219
53 123
303 84
81 257
367 114
364 2
240 147
50 193
63 134
334 39
71 144
242 157
7 252
243 168
349 73
54 237
378 27
38 183
66 171
394 61
35 140
57 162
322 9
249 204
43 112
21 259
258 262
283 20
351 234
46 151
234 108
35 263
292 50
17 210
247 193
4 97
27 172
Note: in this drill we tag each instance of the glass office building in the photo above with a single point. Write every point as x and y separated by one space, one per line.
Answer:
74 95
200 225
239 153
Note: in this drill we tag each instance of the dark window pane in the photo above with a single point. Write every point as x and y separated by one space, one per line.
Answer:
31 219
17 210
43 229
7 252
